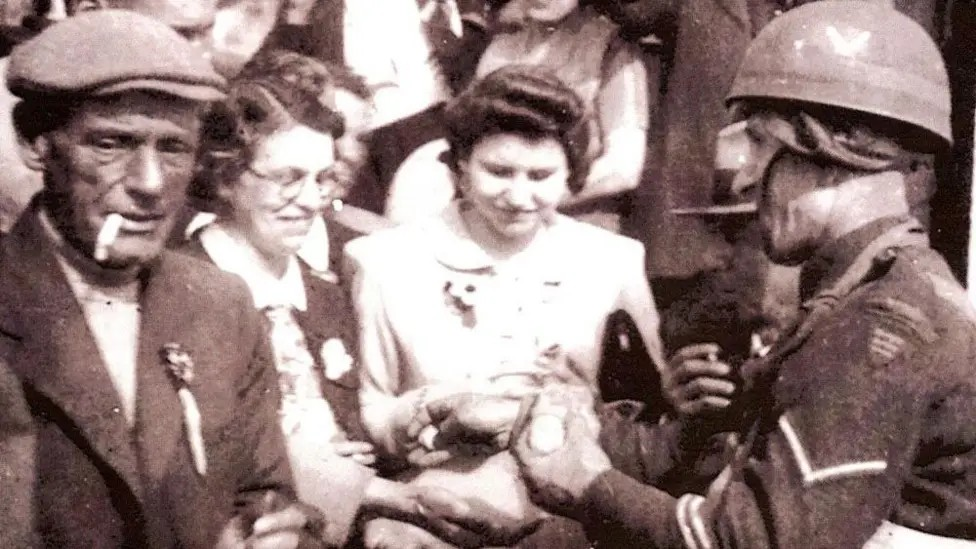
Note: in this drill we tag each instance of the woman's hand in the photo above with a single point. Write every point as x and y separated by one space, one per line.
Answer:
361 452
461 424
695 382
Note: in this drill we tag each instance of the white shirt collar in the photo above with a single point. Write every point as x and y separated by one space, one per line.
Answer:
314 251
454 14
238 257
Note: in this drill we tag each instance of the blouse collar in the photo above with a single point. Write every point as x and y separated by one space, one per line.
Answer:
236 256
314 251
453 246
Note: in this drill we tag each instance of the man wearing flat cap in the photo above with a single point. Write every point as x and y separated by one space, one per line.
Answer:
152 403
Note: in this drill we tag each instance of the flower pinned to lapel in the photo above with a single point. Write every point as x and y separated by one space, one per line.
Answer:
335 358
461 298
179 362
180 365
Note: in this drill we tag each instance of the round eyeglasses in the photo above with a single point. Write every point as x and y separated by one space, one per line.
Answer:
291 182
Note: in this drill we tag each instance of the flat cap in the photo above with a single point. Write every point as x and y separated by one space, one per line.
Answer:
109 51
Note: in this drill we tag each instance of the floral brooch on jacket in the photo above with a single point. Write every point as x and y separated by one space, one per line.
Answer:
182 373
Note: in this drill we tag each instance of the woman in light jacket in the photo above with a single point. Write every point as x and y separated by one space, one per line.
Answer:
500 293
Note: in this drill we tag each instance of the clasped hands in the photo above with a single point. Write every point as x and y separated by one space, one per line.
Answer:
554 434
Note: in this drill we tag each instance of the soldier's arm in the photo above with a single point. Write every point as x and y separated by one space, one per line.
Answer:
830 469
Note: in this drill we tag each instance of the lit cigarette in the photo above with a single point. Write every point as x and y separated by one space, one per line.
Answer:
107 235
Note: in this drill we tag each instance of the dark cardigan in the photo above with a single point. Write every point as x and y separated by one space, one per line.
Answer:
329 315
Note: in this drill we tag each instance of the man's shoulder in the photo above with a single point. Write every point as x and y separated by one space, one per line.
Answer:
920 278
202 282
916 304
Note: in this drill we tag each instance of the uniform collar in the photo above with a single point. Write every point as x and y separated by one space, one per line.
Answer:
235 256
314 251
856 254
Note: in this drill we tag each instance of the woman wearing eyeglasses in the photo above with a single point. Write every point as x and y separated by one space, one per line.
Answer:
267 166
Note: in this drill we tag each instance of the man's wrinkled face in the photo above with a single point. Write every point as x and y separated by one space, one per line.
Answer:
131 154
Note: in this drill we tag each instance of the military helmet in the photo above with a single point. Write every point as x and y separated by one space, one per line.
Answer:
861 56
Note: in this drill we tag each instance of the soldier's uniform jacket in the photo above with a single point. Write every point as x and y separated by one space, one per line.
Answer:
868 417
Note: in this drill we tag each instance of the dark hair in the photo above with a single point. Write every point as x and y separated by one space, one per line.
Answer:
525 100
272 93
37 116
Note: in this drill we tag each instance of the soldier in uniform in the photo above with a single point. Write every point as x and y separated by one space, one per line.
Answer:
857 427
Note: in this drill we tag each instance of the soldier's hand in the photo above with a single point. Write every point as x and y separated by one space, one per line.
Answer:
460 424
559 454
696 382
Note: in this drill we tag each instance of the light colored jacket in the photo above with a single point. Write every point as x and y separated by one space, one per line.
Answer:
438 314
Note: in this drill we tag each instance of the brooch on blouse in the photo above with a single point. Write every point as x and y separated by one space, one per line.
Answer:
180 365
461 299
335 358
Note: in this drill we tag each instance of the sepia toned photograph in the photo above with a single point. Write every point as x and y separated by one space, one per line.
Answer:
464 274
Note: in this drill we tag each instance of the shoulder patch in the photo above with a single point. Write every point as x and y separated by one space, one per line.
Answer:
897 325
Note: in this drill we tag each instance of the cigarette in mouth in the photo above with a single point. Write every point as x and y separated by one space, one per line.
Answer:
107 235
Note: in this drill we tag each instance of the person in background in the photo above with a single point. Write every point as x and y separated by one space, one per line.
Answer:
587 53
856 430
452 33
511 295
147 376
268 160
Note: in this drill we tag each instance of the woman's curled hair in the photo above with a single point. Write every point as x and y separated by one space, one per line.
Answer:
524 100
277 91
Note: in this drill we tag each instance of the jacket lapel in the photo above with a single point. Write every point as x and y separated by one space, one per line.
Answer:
159 411
59 358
